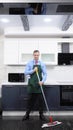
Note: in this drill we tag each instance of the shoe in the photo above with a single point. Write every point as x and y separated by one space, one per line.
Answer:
42 117
26 117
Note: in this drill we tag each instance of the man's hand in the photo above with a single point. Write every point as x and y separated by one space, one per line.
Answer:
35 11
35 69
40 83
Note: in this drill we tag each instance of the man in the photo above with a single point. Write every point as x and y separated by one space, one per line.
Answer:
34 89
36 8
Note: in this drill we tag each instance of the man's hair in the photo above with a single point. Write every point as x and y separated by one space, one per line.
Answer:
35 51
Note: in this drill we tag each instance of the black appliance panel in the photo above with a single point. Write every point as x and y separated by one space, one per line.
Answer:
66 95
65 58
16 77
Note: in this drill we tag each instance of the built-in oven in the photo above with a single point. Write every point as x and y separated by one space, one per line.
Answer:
66 95
16 77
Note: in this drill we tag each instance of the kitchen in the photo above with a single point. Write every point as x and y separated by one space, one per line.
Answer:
53 36
14 49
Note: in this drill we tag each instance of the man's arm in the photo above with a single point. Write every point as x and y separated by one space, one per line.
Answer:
44 72
29 70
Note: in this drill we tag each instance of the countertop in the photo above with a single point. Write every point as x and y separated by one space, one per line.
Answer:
46 83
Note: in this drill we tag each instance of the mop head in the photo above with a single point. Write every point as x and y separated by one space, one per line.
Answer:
54 123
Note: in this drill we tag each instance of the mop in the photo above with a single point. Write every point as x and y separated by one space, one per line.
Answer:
51 122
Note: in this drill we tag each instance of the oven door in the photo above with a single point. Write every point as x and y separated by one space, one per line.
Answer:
66 95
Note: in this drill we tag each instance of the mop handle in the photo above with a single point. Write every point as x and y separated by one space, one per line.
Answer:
43 92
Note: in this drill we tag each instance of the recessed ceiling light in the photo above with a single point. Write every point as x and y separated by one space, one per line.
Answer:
4 20
47 20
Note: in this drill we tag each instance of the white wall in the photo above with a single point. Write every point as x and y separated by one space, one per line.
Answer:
60 73
2 67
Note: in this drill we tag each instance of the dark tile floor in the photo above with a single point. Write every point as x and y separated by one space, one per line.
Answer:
34 123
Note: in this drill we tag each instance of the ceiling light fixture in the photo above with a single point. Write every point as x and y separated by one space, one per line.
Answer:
4 20
47 20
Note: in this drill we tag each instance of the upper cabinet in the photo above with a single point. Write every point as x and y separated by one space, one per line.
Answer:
26 48
18 51
10 51
49 51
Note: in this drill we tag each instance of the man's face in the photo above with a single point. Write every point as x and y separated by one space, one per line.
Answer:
36 55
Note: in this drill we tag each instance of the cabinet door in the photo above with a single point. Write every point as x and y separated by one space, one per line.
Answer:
49 51
52 94
10 51
26 48
23 97
10 97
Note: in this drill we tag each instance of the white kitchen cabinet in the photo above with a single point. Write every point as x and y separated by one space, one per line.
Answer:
49 59
10 51
26 48
49 51
18 51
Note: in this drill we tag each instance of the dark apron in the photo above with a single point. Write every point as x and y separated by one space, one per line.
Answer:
33 85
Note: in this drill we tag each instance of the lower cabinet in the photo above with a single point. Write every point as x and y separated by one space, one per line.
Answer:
53 97
14 97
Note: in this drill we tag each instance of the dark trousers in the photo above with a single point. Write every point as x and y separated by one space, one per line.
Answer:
33 99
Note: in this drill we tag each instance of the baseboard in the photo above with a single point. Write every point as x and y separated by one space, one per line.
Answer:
53 113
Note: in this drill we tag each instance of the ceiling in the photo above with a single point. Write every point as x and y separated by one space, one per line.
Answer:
35 21
51 24
60 17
